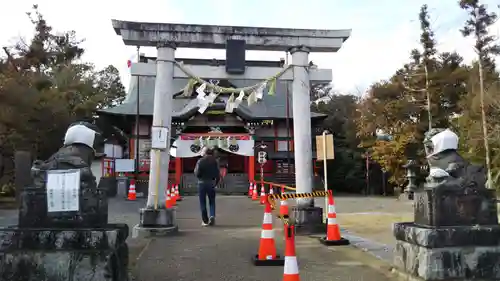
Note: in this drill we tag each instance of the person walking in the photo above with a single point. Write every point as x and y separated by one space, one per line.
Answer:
208 174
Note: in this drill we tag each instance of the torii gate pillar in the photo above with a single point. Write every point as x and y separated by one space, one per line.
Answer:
301 105
155 214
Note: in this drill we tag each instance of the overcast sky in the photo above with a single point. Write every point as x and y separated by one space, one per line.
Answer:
383 31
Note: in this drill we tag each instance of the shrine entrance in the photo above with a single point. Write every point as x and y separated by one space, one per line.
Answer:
234 163
235 151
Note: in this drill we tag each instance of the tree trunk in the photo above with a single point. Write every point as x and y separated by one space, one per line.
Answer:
428 95
485 125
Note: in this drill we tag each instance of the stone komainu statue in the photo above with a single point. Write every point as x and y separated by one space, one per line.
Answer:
455 192
446 166
455 233
78 152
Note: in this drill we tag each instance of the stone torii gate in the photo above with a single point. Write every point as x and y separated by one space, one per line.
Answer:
166 37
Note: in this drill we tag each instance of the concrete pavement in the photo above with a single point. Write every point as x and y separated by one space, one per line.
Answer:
223 252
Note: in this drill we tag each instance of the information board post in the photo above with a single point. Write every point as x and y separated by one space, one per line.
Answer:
325 151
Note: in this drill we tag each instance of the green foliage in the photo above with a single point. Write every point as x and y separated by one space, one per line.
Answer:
44 87
460 96
346 172
431 82
486 47
477 26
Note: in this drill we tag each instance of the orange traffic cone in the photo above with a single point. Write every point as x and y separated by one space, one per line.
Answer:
132 196
263 197
267 248
333 237
177 193
291 268
254 193
271 190
173 198
168 200
284 205
250 190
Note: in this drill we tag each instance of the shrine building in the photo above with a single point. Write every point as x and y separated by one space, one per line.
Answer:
268 121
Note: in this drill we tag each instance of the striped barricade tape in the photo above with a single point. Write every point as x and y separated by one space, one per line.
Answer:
285 196
273 197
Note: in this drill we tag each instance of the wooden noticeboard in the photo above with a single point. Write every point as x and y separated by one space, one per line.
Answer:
330 153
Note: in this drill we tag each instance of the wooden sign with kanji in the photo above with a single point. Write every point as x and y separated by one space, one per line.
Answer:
321 147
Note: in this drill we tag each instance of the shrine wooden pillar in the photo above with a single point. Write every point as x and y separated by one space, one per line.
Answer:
178 170
251 168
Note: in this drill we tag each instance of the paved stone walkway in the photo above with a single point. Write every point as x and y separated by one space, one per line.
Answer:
223 252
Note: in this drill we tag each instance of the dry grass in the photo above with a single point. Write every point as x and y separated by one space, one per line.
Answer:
376 227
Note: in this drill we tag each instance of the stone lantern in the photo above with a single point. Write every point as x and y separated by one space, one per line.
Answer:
411 174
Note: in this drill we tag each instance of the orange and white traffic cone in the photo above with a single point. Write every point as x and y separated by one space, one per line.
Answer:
168 200
284 205
267 247
132 196
271 190
255 193
291 268
333 237
263 197
172 196
177 193
250 190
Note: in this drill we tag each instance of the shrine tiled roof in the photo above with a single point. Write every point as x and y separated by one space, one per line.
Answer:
270 107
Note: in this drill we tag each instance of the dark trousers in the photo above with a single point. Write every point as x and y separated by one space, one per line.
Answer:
206 190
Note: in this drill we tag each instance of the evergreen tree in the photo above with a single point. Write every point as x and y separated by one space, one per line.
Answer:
477 26
424 92
428 44
44 87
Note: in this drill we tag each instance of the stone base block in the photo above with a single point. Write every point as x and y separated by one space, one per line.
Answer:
159 218
451 253
50 254
448 206
93 210
148 232
308 220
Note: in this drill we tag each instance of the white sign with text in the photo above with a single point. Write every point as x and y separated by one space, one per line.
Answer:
63 188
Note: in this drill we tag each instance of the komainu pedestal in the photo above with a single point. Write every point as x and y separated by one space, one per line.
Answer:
455 234
62 254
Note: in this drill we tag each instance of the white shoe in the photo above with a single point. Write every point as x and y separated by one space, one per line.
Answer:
204 223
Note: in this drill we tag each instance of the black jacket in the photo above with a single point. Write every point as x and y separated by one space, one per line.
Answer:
207 169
